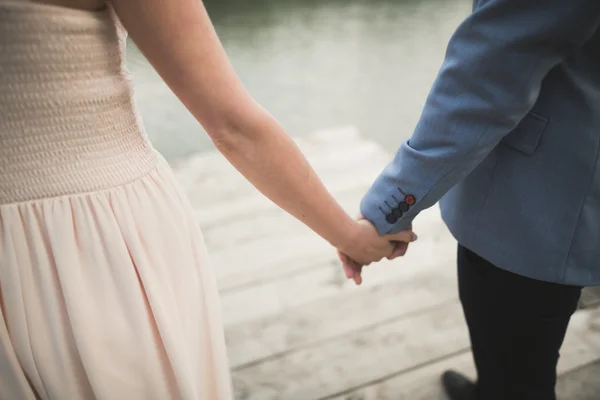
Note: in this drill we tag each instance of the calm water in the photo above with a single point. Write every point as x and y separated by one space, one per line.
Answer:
316 64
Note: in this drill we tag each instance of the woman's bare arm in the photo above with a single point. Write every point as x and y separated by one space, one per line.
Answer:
178 38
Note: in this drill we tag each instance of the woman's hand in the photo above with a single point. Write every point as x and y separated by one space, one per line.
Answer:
366 246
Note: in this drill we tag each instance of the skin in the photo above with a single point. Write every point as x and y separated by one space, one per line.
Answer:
179 40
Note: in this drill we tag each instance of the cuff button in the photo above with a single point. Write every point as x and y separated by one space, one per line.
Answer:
391 218
403 206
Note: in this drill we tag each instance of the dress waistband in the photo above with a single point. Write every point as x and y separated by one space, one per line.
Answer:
52 165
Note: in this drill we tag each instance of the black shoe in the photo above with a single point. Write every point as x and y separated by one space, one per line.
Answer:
457 386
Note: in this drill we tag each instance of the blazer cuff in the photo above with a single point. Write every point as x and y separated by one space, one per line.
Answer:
388 216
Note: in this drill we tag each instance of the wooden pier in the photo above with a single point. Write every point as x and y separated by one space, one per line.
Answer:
298 330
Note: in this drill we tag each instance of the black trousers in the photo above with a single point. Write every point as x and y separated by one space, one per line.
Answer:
517 326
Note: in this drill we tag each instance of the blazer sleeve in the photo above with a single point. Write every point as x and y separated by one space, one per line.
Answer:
490 79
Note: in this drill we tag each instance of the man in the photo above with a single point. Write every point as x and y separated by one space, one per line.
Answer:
510 138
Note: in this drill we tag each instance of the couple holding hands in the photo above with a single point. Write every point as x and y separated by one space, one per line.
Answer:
106 290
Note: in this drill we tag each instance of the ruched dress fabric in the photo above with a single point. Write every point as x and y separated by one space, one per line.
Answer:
106 289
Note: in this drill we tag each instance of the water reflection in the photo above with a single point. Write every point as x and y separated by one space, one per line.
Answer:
316 64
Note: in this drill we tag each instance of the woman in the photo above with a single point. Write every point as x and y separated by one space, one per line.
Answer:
106 291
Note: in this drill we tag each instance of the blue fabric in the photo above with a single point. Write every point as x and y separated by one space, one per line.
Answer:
510 137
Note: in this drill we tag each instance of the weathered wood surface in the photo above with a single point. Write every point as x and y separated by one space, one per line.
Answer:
297 329
590 298
580 384
576 365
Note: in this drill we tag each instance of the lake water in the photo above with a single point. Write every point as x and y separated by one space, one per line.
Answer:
316 64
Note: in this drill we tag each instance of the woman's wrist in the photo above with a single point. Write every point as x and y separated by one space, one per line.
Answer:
347 234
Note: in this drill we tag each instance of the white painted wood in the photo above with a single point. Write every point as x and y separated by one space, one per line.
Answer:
581 344
423 383
357 359
340 314
277 295
581 384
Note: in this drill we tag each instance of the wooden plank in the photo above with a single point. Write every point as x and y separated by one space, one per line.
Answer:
423 382
289 268
590 297
278 294
357 359
269 251
591 321
579 347
340 314
580 384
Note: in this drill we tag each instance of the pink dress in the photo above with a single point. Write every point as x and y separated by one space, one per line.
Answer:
106 289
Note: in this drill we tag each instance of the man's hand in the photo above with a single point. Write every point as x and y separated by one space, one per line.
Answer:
389 246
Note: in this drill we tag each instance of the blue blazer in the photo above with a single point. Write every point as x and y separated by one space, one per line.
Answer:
510 138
